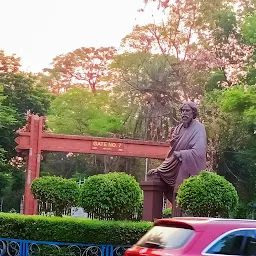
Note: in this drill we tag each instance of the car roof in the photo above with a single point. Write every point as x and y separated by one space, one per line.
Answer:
200 223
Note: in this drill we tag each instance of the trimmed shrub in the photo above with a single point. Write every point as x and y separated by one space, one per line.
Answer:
61 193
73 230
116 196
207 194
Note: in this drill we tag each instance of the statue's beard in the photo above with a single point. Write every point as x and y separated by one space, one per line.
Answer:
186 121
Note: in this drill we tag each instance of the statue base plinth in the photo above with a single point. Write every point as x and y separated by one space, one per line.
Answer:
153 199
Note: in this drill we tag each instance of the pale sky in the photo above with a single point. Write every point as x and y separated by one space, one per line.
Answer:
39 30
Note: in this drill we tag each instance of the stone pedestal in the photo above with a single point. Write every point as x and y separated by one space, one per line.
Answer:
153 199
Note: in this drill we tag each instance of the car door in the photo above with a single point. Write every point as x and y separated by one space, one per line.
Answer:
234 242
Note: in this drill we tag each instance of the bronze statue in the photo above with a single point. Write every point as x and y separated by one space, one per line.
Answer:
187 156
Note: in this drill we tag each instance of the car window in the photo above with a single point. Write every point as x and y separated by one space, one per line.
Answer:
250 246
240 242
166 237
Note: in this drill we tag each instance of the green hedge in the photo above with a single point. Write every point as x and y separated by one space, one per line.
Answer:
76 230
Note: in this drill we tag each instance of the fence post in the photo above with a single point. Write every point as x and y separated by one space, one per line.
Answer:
23 248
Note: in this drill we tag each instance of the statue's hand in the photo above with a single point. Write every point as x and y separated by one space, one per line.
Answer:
151 172
177 154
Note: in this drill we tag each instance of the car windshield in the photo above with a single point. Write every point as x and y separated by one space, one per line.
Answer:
162 237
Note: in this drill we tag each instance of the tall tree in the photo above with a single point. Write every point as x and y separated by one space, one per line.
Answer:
230 119
84 68
21 95
149 92
18 94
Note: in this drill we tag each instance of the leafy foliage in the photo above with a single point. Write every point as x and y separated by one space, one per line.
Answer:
148 94
8 173
249 29
12 198
245 210
228 115
11 183
9 64
61 193
239 141
19 95
72 229
80 112
167 213
22 94
242 101
7 120
5 183
114 195
225 25
207 194
215 80
204 12
7 114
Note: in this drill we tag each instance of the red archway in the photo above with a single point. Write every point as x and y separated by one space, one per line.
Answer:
32 140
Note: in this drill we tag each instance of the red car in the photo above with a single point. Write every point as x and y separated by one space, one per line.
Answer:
187 236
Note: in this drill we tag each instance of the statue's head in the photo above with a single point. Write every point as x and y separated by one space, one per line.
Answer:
188 112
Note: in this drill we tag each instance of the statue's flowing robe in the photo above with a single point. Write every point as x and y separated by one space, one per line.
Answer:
191 143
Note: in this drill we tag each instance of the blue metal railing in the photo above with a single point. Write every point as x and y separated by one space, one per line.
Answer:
16 247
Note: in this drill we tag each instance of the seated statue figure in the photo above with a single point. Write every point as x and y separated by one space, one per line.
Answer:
187 155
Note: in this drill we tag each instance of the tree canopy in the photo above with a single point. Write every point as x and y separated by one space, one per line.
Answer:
19 94
80 112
